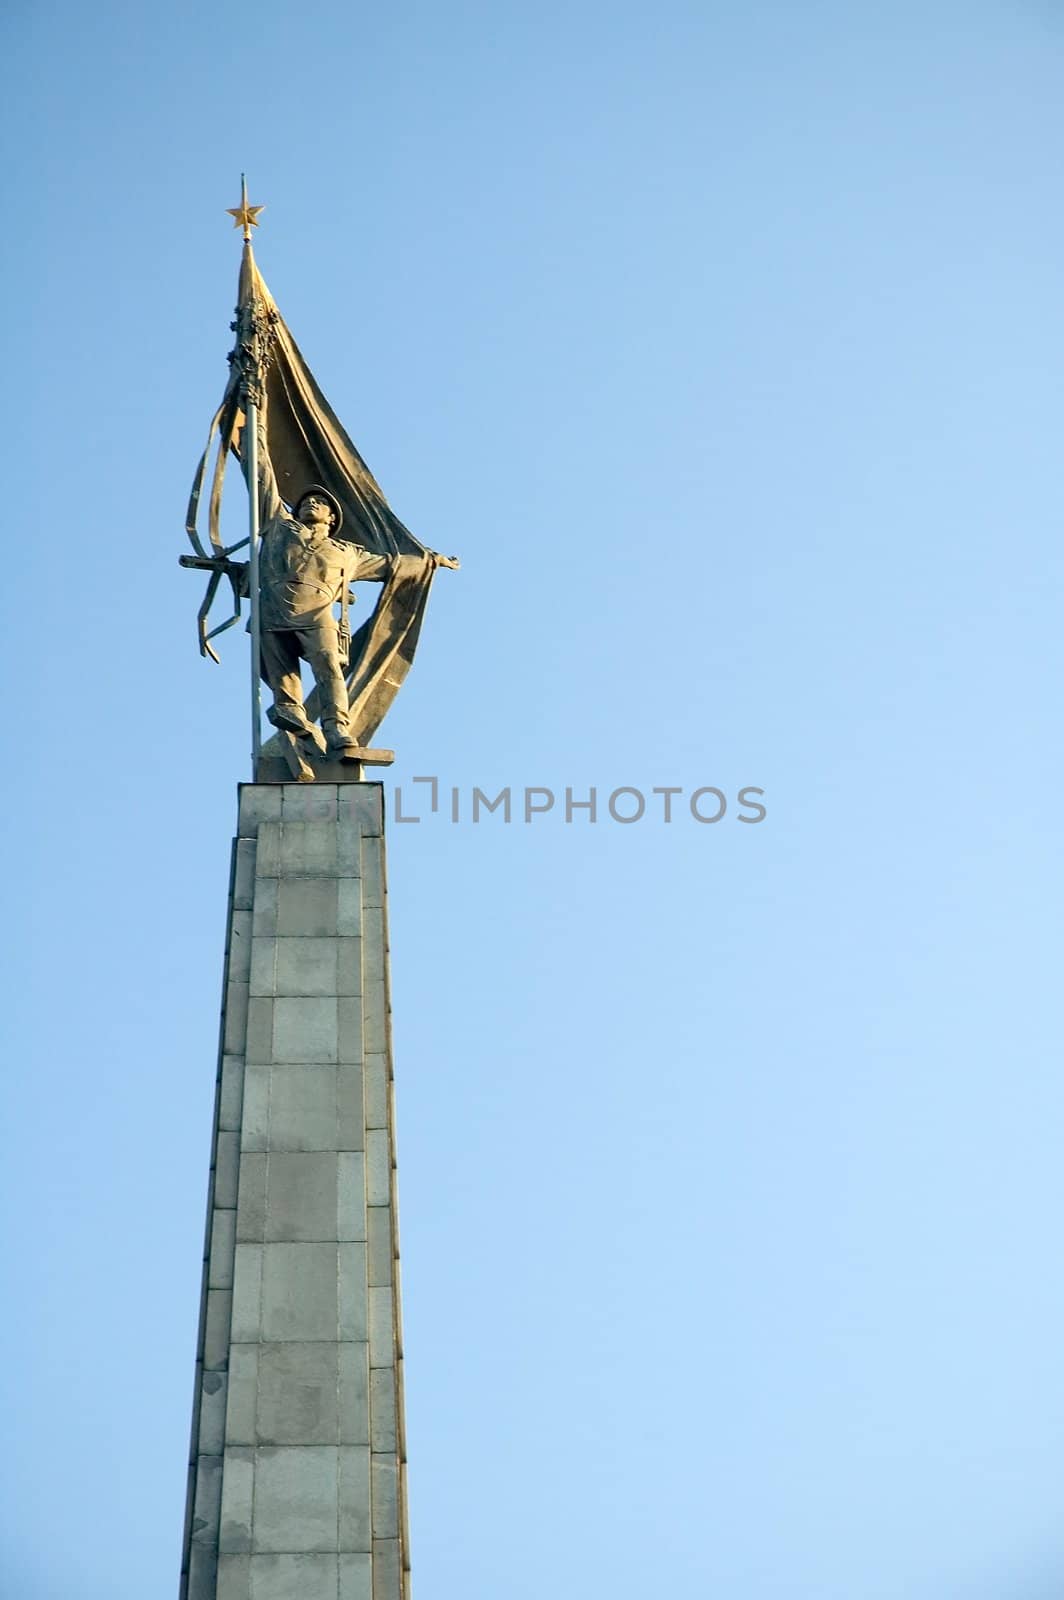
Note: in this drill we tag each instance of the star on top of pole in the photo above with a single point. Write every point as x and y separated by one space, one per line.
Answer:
246 217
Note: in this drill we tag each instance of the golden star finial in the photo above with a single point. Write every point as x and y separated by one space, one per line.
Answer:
247 217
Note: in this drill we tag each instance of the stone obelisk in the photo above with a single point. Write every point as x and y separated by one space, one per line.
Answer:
296 1477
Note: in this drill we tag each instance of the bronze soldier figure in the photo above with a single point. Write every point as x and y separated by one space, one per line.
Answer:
304 573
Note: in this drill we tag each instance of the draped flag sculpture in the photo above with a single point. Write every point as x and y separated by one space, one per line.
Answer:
317 522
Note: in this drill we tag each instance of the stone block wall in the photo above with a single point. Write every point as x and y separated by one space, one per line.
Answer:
297 1474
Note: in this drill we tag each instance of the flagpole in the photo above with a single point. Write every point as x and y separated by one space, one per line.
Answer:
252 413
250 332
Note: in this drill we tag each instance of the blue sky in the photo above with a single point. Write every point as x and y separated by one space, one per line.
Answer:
724 344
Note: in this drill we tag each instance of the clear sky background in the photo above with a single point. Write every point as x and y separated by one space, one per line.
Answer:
724 344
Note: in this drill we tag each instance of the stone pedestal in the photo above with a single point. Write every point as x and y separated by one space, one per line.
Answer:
296 1479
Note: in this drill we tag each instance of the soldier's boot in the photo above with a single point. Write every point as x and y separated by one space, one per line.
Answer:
291 717
338 739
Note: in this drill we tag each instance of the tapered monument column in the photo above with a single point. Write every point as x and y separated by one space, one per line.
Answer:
296 1482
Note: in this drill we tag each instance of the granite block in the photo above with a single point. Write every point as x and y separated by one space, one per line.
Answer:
305 1030
226 1169
384 1496
231 1093
300 1291
381 1249
301 1196
348 849
353 1310
234 1577
349 908
262 964
307 908
251 1210
381 1328
375 1019
356 1576
206 1510
294 1577
304 802
303 1111
257 1109
372 873
349 1014
376 1075
216 1328
239 944
354 1393
190 1491
213 1390
295 1498
202 1573
247 1293
400 1417
306 966
383 1429
264 915
373 945
387 1570
268 851
348 966
238 1478
223 1240
354 1507
259 802
236 1017
397 1301
378 1167
297 1396
351 1195
308 849
350 1114
244 854
259 1044
243 1395
361 805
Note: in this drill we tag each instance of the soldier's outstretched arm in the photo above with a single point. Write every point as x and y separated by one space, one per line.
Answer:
377 569
369 568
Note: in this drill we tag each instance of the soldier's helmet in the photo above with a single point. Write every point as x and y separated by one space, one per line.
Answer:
330 500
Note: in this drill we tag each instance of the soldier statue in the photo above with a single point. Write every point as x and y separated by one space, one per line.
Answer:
304 574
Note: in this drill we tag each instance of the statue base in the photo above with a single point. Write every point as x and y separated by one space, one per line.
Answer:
297 1475
305 758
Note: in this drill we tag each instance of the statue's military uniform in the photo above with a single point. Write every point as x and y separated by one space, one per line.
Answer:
303 573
